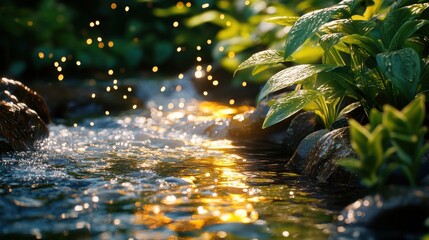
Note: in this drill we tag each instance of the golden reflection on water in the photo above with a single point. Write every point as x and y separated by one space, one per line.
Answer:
218 195
213 110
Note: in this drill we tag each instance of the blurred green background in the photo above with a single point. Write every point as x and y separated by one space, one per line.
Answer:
130 37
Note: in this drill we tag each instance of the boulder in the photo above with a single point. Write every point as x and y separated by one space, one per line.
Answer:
397 213
321 161
299 159
21 127
300 127
25 95
248 126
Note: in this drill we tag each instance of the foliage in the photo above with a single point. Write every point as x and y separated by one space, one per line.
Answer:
372 52
129 36
392 141
36 34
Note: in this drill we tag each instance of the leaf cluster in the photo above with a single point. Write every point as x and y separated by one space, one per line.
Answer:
375 52
392 141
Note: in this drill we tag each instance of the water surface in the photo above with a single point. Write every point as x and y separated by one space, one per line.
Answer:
157 175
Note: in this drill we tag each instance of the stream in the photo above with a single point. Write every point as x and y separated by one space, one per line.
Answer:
152 174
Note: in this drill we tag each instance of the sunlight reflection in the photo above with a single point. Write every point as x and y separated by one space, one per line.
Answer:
218 194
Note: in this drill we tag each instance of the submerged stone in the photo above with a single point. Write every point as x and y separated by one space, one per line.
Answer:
21 127
399 213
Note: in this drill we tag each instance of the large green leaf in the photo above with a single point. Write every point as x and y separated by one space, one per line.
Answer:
349 108
266 57
415 112
328 40
359 137
309 23
283 20
402 68
290 76
367 43
405 32
342 78
396 18
211 16
288 105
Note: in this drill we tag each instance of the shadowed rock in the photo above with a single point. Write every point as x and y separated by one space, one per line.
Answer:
398 213
321 162
299 159
248 126
300 127
21 127
25 95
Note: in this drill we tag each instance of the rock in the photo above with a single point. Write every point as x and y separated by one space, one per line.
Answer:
25 95
300 127
340 123
298 161
21 128
399 213
248 126
330 148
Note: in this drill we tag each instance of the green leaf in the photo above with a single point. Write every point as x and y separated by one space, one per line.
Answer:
288 105
260 68
283 20
394 120
396 18
367 43
343 76
209 16
328 40
359 137
415 112
375 119
402 68
262 58
404 156
405 32
308 24
336 26
353 165
290 76
349 108
375 150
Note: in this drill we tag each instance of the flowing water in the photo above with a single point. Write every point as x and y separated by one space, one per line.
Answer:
157 175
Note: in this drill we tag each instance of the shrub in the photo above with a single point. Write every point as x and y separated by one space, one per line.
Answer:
375 52
392 141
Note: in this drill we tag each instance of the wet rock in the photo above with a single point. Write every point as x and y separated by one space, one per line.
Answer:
248 126
330 148
21 128
25 95
300 127
340 123
399 213
299 159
